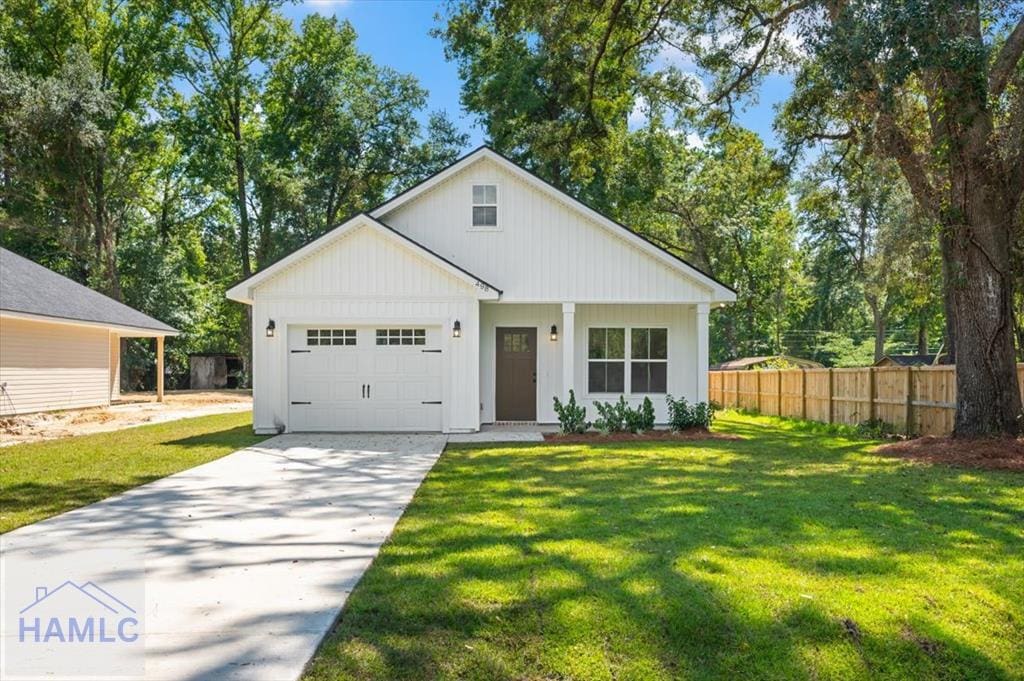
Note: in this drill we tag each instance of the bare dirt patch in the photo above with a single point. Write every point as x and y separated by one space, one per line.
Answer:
988 453
133 409
649 436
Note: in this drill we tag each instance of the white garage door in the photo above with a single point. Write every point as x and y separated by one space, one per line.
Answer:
356 378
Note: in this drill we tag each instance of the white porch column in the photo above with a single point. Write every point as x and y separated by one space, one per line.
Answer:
568 337
702 352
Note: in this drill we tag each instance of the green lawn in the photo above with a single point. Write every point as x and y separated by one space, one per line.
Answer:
42 479
791 554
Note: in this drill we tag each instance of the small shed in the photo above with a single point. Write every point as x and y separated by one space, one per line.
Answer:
213 370
910 360
766 362
60 342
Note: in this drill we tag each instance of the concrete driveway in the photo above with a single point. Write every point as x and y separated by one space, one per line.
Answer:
249 559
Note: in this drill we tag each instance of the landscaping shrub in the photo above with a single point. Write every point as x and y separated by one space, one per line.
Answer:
617 417
613 416
682 415
572 418
646 412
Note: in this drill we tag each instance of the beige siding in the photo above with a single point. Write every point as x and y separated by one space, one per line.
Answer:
48 366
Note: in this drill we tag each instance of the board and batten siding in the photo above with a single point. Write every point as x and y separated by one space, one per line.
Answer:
543 250
48 366
683 365
365 279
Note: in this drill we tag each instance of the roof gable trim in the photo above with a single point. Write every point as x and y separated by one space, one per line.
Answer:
243 291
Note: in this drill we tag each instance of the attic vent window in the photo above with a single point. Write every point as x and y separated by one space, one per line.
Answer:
485 205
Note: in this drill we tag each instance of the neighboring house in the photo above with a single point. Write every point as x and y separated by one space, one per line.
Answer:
60 341
767 362
910 360
476 296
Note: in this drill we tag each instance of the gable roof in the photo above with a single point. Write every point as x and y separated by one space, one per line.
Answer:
27 288
913 360
242 291
722 292
747 362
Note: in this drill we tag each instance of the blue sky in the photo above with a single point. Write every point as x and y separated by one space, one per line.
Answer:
396 34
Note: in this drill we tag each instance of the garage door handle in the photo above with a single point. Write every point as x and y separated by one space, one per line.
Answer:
438 402
302 403
367 390
430 351
294 351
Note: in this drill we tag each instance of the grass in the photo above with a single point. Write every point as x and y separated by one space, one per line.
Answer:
43 479
793 553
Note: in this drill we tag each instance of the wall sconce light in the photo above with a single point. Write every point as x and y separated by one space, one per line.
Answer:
270 328
554 332
457 329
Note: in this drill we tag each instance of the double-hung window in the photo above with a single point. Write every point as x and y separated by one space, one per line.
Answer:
606 361
485 206
647 360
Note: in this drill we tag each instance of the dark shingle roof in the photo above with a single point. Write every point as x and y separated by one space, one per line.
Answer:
30 288
913 360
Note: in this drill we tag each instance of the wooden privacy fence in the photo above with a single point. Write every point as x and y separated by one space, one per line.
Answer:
915 400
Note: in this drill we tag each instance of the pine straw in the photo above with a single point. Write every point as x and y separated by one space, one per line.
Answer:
592 437
988 453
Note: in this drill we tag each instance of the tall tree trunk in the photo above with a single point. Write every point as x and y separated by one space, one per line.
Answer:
245 340
106 239
922 337
879 321
977 255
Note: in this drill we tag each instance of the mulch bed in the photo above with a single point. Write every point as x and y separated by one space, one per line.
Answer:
989 453
650 436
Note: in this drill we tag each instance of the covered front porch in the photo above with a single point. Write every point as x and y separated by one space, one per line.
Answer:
531 353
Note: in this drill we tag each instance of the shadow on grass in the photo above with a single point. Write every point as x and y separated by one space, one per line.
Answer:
237 438
661 560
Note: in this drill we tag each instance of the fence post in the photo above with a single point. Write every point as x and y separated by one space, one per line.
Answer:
803 393
758 390
778 402
910 401
831 408
871 394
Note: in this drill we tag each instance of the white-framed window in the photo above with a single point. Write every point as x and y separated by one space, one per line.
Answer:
330 336
606 360
401 336
485 206
615 354
648 361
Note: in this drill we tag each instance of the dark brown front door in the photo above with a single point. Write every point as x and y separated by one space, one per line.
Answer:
516 375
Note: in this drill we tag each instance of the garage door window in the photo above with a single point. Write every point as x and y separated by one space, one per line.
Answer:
330 336
401 336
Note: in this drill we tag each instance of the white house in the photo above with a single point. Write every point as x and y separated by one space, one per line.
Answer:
474 297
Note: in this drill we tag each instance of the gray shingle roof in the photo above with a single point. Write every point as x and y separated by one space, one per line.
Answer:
30 288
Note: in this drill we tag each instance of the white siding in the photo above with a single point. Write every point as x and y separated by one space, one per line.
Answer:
543 250
683 363
48 366
365 279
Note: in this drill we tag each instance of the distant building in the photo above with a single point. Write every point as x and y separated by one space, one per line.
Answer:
767 362
910 360
213 370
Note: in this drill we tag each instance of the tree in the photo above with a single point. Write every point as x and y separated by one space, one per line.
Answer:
860 219
339 134
78 137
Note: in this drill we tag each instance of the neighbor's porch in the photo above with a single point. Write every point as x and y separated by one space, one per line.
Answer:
533 352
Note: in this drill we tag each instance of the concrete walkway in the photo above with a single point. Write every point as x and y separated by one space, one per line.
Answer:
249 558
